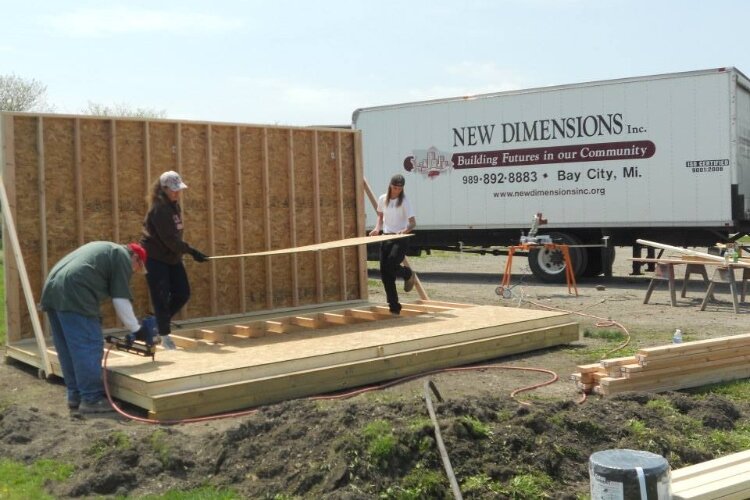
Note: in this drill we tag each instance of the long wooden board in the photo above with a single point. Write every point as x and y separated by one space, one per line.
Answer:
346 242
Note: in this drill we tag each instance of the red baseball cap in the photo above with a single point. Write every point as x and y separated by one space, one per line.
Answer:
138 250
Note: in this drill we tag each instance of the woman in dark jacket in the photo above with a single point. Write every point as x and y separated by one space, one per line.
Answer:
162 239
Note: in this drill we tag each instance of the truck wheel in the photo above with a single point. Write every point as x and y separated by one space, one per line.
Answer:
595 267
549 265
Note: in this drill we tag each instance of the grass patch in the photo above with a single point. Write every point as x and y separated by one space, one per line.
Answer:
536 485
116 440
20 482
609 335
201 493
420 483
736 390
479 484
476 427
381 442
160 445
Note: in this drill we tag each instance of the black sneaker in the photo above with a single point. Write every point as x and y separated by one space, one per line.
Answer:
73 405
101 406
409 283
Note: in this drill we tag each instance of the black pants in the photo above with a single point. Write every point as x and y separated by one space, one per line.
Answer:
392 253
170 290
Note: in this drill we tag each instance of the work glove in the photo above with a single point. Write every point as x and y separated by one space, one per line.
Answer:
198 256
167 343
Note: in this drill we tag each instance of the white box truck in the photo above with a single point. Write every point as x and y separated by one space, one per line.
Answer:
663 158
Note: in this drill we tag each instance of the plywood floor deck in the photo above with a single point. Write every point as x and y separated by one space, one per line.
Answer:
230 366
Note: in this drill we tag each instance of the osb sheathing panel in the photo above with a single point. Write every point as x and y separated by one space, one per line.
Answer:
251 188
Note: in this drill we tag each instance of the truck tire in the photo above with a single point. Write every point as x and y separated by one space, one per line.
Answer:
595 267
549 265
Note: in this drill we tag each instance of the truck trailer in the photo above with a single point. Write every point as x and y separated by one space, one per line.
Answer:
663 158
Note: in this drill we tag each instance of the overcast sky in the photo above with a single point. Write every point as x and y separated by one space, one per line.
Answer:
311 62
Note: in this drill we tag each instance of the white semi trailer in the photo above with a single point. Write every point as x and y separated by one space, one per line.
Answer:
663 158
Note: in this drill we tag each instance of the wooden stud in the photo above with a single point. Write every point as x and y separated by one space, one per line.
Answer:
340 193
267 220
293 222
185 212
338 318
115 190
79 179
359 187
42 195
316 218
210 204
306 321
12 284
364 314
240 217
147 159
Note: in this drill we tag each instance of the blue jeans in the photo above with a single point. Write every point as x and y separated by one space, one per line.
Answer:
170 290
79 343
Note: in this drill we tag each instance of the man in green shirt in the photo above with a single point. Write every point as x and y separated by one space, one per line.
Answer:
72 295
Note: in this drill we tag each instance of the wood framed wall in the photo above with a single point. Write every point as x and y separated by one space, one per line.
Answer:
75 179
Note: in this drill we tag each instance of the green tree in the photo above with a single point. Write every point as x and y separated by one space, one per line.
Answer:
122 109
22 94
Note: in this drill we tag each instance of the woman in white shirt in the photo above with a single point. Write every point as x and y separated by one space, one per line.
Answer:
395 216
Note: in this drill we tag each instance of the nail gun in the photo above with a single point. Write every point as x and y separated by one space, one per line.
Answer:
143 342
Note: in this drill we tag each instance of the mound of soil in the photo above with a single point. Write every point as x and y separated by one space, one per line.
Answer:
326 449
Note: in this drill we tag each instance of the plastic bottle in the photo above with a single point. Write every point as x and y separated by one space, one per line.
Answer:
677 337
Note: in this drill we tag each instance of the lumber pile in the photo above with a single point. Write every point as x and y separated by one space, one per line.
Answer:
726 478
669 367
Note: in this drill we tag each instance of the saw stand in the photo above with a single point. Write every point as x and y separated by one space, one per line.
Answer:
504 288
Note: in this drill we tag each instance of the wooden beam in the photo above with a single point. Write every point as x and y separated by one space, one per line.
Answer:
693 253
267 220
147 160
359 182
210 215
292 220
12 285
78 179
342 235
306 321
42 196
113 172
240 215
185 213
328 245
316 218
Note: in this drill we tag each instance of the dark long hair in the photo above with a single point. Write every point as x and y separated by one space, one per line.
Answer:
400 196
156 196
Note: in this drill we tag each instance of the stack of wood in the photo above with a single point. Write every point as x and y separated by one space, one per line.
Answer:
669 367
726 478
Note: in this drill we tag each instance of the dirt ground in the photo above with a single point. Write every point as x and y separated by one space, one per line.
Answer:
334 448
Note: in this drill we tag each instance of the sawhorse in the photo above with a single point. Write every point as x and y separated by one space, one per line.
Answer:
663 272
570 277
723 275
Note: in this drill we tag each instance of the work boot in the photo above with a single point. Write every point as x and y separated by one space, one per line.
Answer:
101 406
73 405
409 282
